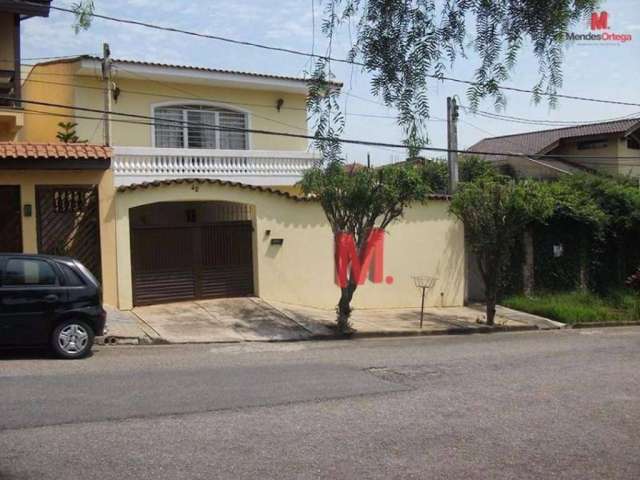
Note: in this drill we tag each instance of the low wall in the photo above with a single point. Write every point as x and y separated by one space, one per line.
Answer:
427 241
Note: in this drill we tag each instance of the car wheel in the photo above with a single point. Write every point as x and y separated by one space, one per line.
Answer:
72 339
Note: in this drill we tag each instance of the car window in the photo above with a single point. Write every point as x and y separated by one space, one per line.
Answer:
28 271
71 277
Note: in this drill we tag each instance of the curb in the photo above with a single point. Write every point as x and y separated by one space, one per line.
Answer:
605 324
448 331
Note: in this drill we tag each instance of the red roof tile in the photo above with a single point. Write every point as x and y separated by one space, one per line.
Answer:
53 151
245 186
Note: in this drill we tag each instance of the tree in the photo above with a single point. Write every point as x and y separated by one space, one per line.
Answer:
67 134
358 201
495 211
405 45
83 11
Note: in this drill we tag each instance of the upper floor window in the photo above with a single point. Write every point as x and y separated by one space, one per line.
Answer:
593 144
188 126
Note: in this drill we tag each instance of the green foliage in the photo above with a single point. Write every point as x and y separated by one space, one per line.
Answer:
472 167
67 133
578 307
405 44
596 219
435 172
83 11
366 198
618 201
495 211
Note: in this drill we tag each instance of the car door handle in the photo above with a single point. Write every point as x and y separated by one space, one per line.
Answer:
51 298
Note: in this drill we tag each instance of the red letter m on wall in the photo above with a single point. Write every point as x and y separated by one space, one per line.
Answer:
599 21
371 258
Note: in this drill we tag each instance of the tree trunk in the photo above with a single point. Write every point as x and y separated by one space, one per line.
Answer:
528 279
584 265
489 276
344 308
491 300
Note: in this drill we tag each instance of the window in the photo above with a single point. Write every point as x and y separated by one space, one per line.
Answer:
22 271
593 144
72 279
633 144
186 126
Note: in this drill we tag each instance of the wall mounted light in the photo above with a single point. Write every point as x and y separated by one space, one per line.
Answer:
279 103
27 210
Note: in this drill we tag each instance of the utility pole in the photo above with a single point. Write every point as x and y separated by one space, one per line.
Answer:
108 85
452 143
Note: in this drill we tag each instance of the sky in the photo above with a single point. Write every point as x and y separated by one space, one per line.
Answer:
601 70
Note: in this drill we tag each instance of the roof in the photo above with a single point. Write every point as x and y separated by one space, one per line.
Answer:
53 156
302 80
256 188
26 8
541 142
74 151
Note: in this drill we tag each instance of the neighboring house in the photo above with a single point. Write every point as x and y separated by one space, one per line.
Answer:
54 198
12 14
570 149
172 94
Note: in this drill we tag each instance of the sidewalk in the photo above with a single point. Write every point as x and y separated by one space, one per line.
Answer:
253 319
406 321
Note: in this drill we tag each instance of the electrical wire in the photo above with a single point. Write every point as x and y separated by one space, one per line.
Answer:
205 126
326 57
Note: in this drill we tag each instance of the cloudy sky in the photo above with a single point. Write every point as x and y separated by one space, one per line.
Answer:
609 71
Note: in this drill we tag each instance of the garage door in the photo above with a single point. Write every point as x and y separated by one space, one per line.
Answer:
191 262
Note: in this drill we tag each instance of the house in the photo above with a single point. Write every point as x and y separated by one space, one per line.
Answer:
196 197
590 147
54 198
177 119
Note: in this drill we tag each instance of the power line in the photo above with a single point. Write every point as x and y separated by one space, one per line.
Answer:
205 126
531 121
325 57
494 116
182 97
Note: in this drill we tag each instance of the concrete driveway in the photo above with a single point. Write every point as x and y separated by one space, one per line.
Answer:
222 320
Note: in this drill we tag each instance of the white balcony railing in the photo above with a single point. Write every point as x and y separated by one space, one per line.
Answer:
255 167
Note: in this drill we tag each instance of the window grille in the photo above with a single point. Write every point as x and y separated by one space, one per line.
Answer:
187 126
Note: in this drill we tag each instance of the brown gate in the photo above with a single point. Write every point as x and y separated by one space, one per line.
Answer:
68 223
10 220
172 263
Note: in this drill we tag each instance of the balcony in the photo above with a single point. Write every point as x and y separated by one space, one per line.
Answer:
254 167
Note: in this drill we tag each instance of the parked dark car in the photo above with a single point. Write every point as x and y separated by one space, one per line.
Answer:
49 300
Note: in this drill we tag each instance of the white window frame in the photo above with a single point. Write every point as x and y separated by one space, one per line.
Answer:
203 103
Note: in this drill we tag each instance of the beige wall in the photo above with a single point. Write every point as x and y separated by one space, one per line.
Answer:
139 96
609 166
49 84
426 242
28 179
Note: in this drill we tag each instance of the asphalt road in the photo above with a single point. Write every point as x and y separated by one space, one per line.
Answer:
544 405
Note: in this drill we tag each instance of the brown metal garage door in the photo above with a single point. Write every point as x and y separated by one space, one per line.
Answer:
191 262
10 220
